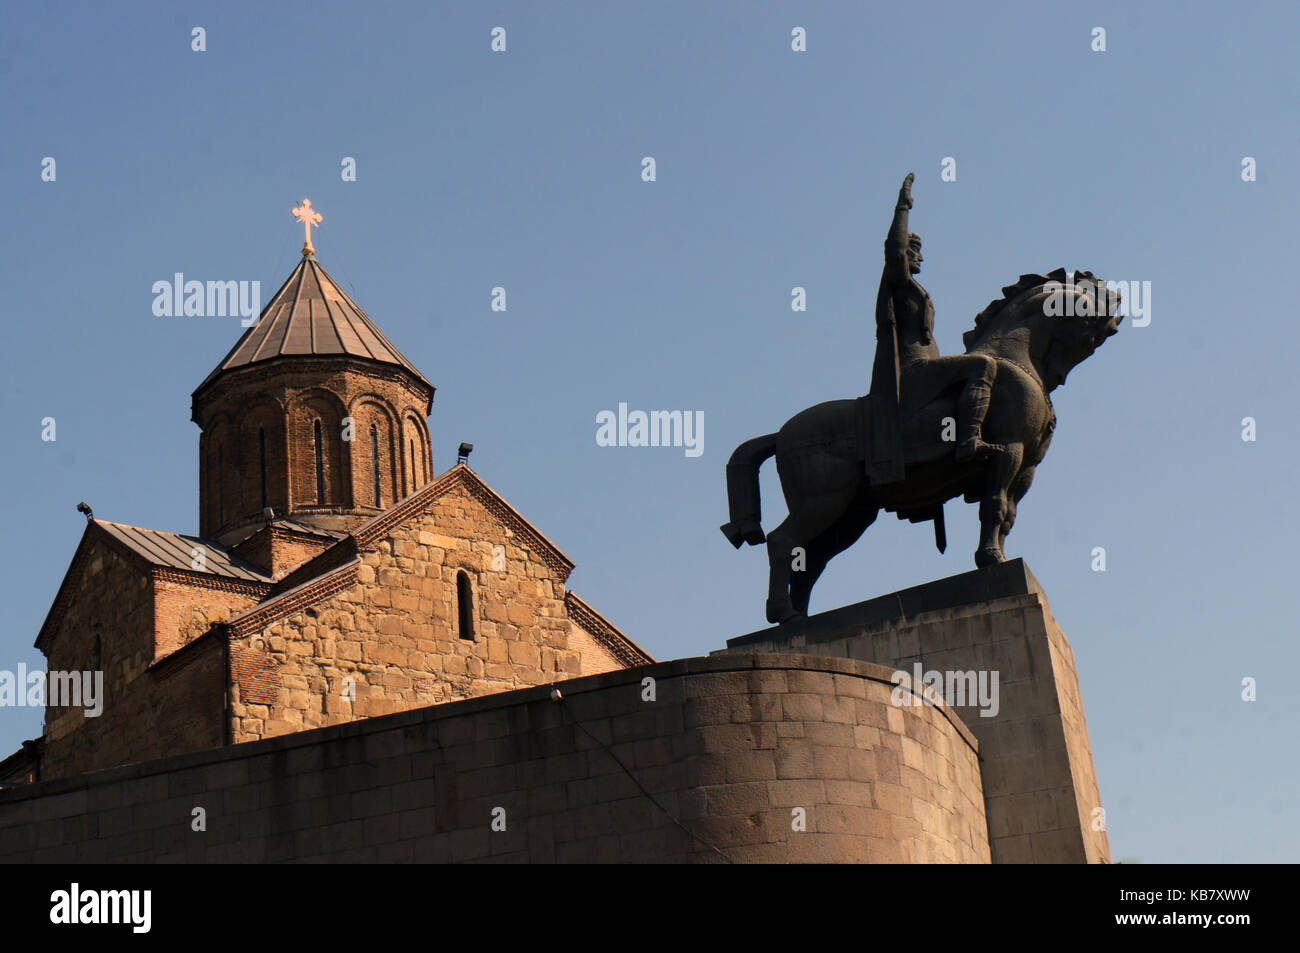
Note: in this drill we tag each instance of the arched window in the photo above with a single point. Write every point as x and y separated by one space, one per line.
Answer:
320 462
261 443
416 469
317 447
374 461
464 606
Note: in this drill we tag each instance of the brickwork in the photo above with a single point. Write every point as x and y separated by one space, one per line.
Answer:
727 750
593 656
185 608
276 406
278 550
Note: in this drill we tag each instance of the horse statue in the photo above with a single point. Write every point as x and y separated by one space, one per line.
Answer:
1034 335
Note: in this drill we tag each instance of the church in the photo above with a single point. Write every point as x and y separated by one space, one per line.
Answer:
334 576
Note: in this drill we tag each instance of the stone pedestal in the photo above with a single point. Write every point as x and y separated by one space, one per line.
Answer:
1040 787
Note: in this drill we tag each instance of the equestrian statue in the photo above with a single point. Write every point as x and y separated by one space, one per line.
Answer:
932 428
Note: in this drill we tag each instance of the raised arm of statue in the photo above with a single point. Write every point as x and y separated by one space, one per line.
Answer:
897 271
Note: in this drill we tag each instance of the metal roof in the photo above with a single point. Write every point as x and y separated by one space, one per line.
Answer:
176 551
296 527
311 316
308 528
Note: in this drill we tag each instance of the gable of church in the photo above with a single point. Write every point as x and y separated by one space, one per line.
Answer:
104 623
449 595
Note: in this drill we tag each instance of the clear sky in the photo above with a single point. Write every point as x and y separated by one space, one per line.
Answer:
775 169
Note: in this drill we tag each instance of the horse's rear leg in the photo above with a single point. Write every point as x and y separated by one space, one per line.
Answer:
995 505
1019 487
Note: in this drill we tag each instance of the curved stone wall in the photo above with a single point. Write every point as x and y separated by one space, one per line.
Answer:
878 782
697 760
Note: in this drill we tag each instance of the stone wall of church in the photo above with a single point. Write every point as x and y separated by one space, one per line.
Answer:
146 711
390 636
747 758
112 607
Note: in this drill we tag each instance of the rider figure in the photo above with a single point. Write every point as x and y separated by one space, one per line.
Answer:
923 373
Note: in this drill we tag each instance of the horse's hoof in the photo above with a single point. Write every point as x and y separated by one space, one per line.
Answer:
988 556
794 620
733 534
778 613
745 532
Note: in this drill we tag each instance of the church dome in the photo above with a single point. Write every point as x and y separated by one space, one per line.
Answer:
314 415
311 315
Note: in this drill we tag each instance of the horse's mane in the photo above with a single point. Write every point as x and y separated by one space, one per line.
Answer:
986 318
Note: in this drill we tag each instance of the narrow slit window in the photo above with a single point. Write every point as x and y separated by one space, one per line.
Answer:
221 487
415 477
261 442
464 606
320 464
374 460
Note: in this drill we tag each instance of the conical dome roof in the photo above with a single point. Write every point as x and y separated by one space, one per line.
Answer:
311 316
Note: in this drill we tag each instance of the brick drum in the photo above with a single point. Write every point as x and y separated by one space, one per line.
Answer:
364 411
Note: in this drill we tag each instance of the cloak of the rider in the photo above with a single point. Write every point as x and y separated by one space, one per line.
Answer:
880 418
882 423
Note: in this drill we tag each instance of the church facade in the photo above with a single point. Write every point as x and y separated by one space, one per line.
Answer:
334 577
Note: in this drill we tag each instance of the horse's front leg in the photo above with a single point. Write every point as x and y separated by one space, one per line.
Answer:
995 506
832 485
779 547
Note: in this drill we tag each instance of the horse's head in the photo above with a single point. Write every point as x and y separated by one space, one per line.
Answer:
1067 317
1075 332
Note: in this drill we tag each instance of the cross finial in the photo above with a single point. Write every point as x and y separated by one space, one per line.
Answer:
309 217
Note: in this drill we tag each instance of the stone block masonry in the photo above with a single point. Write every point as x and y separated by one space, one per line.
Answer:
1040 786
717 764
449 595
383 634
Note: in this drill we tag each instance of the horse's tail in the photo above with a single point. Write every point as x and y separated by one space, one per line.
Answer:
742 490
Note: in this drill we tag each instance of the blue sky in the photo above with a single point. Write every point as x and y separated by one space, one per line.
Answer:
775 169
